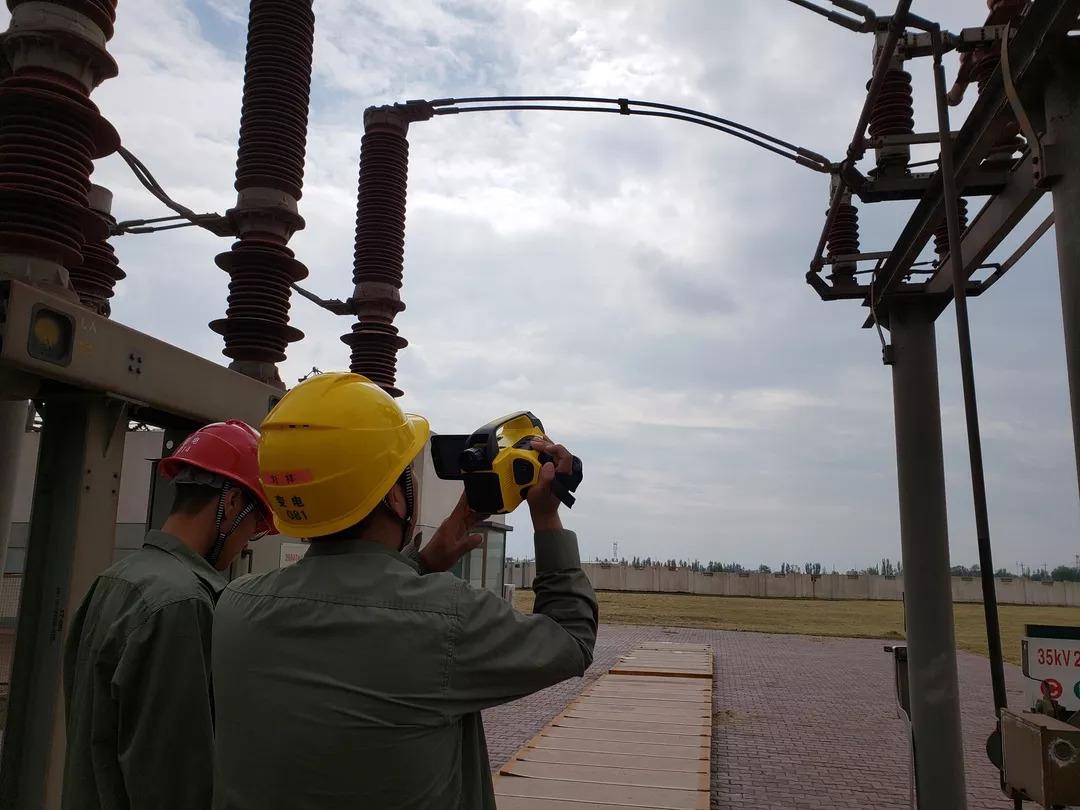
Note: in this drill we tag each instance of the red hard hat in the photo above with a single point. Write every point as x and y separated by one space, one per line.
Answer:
229 449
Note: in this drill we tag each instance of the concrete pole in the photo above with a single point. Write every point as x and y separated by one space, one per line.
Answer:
13 414
924 538
1063 132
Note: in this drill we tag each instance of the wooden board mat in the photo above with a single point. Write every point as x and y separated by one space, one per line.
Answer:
667 659
627 741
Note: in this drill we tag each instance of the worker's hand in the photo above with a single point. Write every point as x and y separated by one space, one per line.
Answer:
543 503
452 540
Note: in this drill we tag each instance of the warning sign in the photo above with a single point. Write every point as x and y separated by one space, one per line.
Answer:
291 553
1052 688
1051 663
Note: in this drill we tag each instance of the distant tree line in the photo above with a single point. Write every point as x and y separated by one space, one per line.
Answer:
887 568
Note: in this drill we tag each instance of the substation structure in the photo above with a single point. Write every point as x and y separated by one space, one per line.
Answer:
1020 141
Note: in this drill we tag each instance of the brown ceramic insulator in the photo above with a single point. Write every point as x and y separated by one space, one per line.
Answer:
256 323
844 238
380 215
893 112
844 233
941 233
101 12
50 132
95 278
379 253
277 83
34 224
374 348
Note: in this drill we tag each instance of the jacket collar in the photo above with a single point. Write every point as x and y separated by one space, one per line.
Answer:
215 580
321 548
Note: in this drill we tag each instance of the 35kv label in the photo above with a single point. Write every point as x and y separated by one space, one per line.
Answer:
1055 657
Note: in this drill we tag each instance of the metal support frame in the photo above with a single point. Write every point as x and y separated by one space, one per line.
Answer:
994 222
166 385
1047 21
162 490
72 533
924 539
12 430
1063 131
68 356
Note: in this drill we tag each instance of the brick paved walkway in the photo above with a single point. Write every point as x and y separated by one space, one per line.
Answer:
801 722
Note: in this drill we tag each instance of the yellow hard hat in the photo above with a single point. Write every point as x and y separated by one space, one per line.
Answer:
330 451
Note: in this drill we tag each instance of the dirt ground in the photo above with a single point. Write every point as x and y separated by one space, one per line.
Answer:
811 617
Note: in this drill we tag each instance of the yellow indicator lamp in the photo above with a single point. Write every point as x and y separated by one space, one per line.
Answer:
52 336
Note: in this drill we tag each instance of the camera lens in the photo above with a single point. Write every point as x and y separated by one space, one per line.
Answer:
472 459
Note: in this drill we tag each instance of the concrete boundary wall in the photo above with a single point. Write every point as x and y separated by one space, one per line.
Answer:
1010 590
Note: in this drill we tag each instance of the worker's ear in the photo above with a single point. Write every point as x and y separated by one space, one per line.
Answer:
395 499
235 500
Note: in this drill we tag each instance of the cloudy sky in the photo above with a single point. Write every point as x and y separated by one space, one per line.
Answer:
637 283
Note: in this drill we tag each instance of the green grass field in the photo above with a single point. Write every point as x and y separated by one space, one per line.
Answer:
810 617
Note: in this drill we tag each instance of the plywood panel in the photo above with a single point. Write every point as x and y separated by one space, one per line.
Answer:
693 712
600 700
619 747
688 722
689 764
618 795
632 669
643 696
681 688
625 736
606 775
627 725
639 737
673 645
616 678
523 803
675 685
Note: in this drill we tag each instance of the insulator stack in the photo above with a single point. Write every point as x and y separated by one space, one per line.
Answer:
95 277
941 233
378 260
277 85
844 240
50 133
893 114
269 182
256 323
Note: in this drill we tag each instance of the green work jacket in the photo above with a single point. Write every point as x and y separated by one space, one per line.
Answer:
140 720
350 680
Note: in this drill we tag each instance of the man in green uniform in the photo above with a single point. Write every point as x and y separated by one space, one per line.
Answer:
140 718
355 678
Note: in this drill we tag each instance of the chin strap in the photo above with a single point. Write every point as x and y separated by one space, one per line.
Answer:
214 554
410 506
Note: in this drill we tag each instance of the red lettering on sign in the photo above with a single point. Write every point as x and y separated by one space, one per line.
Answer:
1054 657
287 478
